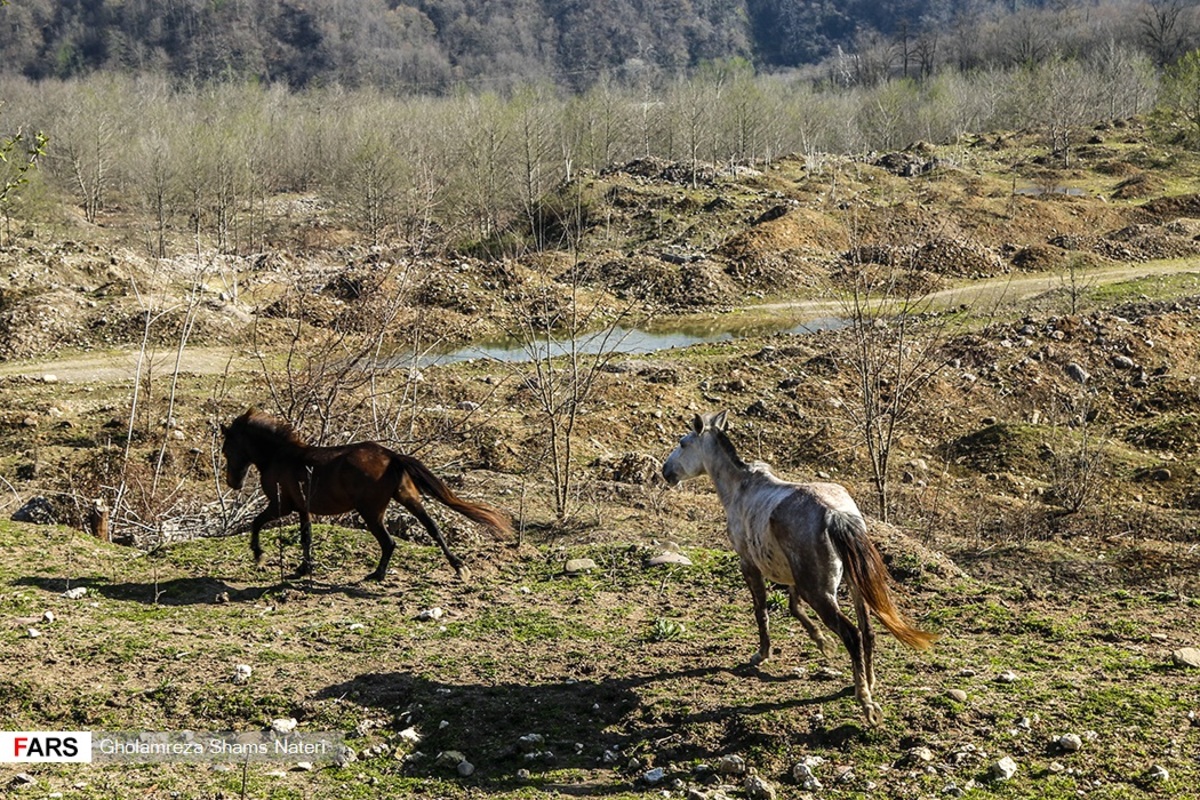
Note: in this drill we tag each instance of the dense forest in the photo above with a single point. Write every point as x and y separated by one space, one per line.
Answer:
433 47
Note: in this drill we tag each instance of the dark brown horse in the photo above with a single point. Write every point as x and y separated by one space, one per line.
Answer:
362 477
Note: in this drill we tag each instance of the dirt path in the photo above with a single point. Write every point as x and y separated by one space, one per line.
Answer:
121 365
1006 289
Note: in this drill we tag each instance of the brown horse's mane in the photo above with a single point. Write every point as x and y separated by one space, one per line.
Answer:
260 424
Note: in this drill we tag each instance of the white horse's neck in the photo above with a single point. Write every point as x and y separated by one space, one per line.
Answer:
728 472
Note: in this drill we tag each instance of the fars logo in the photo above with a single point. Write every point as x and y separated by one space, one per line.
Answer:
46 747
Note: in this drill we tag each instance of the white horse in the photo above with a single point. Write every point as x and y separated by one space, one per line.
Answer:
801 535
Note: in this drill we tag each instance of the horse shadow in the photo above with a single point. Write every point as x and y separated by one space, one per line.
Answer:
613 726
196 591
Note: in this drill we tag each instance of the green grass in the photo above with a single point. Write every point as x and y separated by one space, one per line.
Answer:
650 661
1158 287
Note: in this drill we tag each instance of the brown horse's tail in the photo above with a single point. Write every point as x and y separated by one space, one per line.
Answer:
433 486
868 574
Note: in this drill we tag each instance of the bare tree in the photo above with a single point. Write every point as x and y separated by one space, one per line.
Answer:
568 346
87 144
1164 30
897 350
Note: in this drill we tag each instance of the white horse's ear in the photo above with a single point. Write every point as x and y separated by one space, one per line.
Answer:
698 423
720 421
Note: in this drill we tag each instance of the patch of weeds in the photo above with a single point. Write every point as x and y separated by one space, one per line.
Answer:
522 625
1131 704
988 616
166 695
1117 629
237 709
777 601
1049 628
666 630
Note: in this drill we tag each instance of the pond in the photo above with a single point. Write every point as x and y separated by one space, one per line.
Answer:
631 341
1035 191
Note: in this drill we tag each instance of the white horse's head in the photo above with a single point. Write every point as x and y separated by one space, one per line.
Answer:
692 455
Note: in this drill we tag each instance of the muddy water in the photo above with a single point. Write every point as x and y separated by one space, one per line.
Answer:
630 341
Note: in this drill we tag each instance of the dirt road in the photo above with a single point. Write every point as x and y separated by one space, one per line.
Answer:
123 365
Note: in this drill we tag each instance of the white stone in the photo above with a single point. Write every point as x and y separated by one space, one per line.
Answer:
577 565
1004 769
284 725
1069 742
670 557
1187 657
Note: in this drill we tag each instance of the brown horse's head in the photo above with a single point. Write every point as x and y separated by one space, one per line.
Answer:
237 457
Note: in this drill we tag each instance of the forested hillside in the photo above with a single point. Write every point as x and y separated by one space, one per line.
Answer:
420 45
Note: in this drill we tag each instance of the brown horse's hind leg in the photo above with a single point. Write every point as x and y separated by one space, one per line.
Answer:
758 590
306 558
409 497
827 648
374 520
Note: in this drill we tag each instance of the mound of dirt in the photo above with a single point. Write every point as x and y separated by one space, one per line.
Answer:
911 563
959 258
662 282
1099 245
1164 209
1138 186
1156 241
884 254
787 249
1039 258
664 171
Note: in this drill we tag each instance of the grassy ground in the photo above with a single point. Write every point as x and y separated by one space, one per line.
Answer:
619 671
589 684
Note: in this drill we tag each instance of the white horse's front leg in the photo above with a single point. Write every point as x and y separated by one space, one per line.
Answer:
758 591
828 649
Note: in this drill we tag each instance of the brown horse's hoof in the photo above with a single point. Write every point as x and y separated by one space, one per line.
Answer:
464 574
374 576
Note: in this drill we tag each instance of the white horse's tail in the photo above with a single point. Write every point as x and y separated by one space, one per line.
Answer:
866 571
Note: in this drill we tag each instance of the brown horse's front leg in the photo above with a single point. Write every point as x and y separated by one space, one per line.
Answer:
758 591
268 514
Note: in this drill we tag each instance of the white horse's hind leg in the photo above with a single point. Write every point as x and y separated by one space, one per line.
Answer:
868 636
827 648
827 609
758 590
